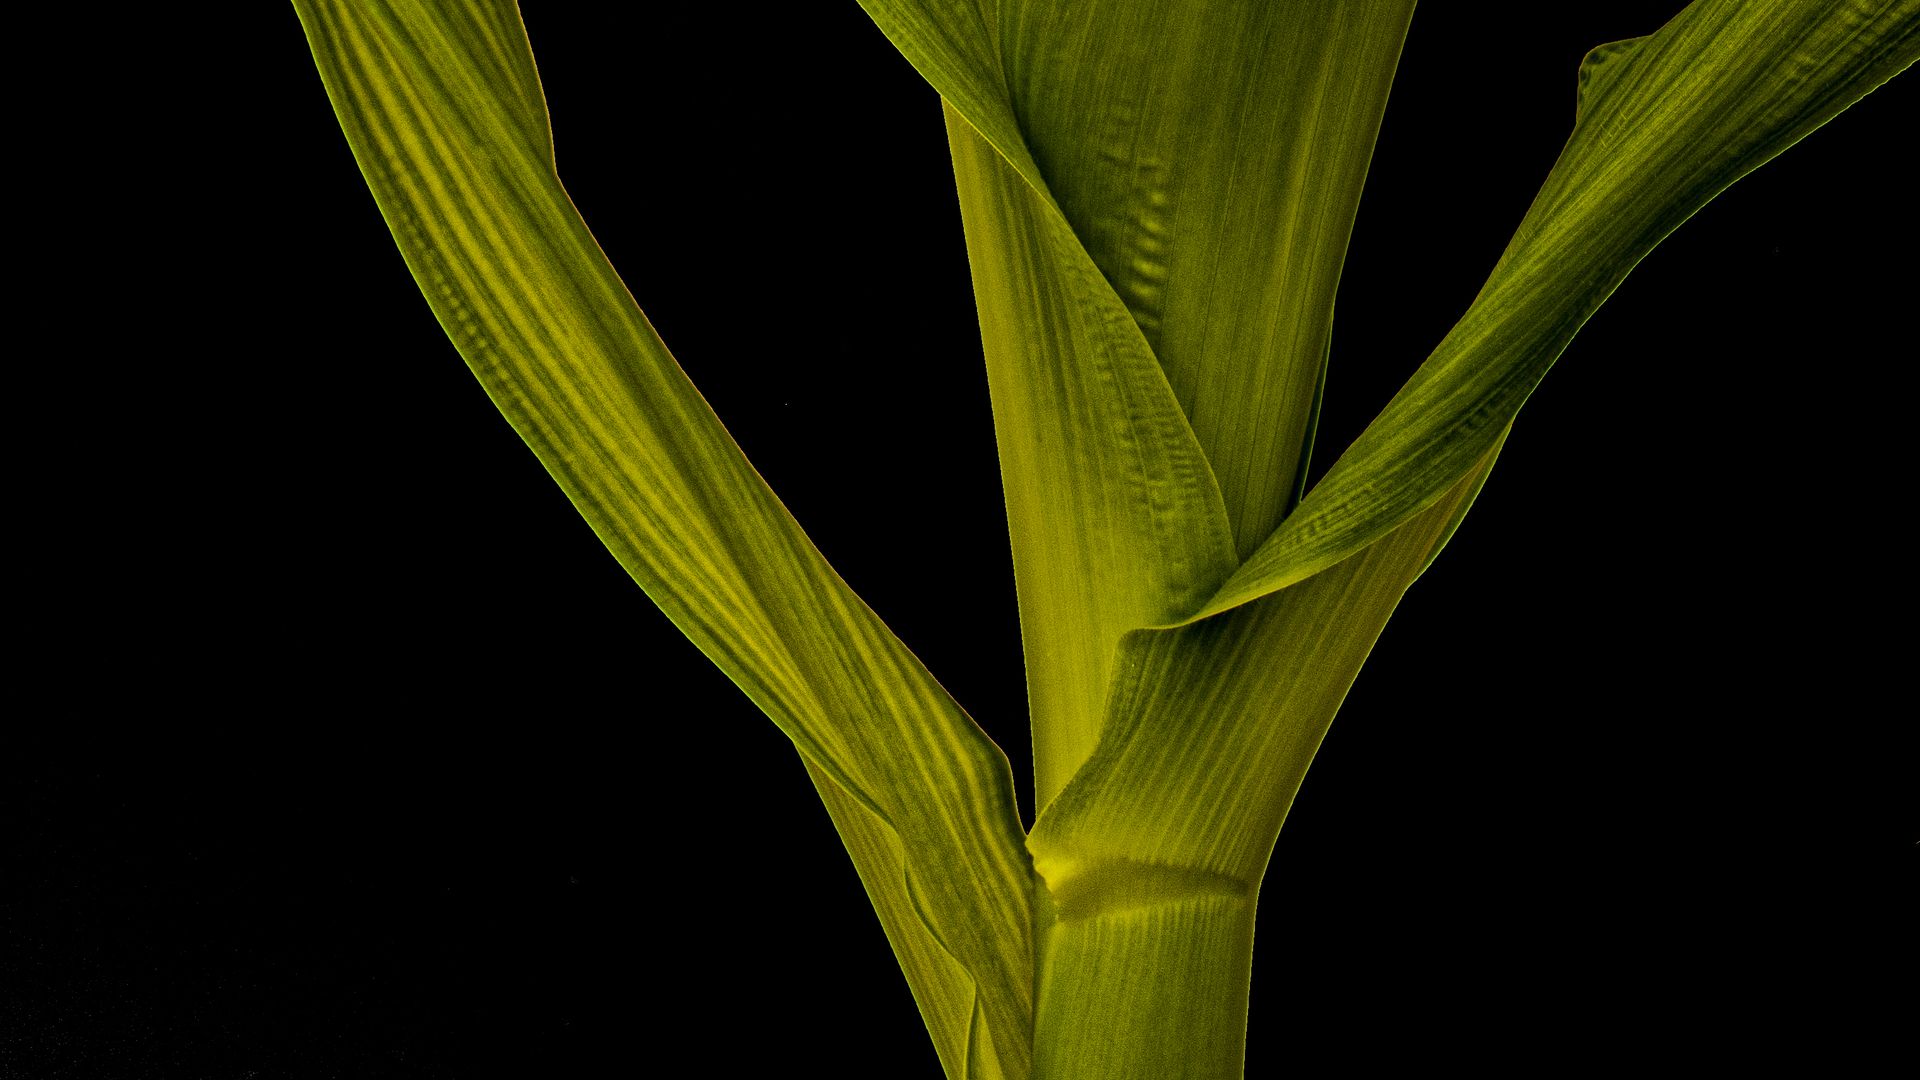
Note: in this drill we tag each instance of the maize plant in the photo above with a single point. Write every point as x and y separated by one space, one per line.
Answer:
1157 198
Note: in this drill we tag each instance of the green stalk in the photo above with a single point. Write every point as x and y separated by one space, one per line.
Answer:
1152 990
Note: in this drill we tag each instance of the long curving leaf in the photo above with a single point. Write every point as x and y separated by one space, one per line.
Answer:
442 108
1664 124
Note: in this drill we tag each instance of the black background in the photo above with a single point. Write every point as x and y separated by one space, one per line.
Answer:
367 760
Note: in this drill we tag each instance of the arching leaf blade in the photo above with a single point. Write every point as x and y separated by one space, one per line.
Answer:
1668 125
461 166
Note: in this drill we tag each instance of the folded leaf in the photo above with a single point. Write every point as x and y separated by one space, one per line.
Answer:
1664 125
1210 155
1115 519
1213 725
1118 244
442 109
1153 856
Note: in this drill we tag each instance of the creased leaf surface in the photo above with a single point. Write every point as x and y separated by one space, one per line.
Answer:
442 109
1663 126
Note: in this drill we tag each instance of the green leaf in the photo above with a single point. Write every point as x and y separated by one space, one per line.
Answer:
1157 264
1153 855
1598 68
441 107
1213 725
1215 718
1114 516
1210 156
1663 127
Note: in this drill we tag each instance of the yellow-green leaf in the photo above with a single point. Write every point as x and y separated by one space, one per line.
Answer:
1664 126
1155 286
441 107
1210 156
1152 857
1115 519
1213 724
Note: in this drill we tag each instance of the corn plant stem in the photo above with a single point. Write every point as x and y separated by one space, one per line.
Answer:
1183 738
1154 991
